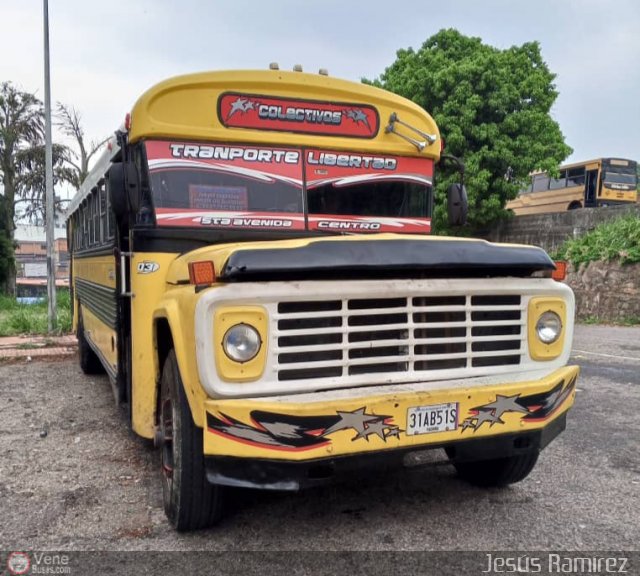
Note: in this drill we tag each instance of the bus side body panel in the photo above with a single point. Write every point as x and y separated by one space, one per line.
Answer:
547 201
148 286
95 300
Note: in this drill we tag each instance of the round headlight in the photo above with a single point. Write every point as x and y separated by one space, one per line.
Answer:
548 327
241 343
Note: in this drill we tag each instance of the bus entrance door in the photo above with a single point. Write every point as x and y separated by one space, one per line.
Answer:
590 189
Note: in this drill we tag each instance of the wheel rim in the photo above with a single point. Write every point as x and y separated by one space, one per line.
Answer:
166 427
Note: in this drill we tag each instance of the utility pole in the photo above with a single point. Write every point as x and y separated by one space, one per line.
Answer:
48 160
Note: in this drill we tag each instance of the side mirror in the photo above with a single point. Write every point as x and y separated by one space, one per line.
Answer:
117 190
122 182
457 204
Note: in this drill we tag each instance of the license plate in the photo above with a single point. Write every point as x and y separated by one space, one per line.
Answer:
434 418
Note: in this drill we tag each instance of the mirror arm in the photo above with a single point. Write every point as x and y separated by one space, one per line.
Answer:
457 161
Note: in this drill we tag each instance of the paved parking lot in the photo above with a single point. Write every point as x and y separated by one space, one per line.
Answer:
73 477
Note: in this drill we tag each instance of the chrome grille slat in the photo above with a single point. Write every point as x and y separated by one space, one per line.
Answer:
351 337
405 358
381 343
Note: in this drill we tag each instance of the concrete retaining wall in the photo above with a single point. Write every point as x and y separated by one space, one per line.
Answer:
550 230
606 291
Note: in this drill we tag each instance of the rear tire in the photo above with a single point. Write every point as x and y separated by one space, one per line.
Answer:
190 501
498 472
89 361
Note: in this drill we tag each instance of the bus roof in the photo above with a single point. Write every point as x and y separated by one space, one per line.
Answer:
614 161
201 107
269 107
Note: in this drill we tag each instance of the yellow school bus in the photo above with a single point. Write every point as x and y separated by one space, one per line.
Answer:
252 267
601 182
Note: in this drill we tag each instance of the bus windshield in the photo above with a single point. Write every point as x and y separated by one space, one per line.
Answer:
619 176
232 186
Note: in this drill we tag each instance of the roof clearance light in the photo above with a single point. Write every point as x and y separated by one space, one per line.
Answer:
202 273
127 122
274 66
323 72
297 67
560 273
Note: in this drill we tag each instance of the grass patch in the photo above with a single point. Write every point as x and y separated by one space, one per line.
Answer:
615 240
17 319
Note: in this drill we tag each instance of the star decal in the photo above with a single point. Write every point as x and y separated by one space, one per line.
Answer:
376 427
504 404
356 420
358 116
393 432
364 425
241 105
493 411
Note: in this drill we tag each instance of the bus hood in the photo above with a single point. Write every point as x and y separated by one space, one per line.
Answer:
363 256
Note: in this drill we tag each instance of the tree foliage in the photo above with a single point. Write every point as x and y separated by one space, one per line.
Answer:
21 132
21 129
493 110
31 201
22 157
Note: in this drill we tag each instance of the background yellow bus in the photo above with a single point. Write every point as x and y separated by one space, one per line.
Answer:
600 182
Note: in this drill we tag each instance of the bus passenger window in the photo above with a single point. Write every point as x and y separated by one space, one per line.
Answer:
557 183
540 182
575 177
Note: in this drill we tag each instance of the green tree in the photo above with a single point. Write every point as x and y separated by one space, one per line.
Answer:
22 165
493 110
21 130
31 203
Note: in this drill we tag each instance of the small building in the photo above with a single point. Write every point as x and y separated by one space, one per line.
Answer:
31 253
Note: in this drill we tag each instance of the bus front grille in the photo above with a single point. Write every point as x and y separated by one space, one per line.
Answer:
352 337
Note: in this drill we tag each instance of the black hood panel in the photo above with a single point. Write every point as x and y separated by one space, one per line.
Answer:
402 258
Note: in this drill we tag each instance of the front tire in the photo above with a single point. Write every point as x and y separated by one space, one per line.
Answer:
497 472
190 501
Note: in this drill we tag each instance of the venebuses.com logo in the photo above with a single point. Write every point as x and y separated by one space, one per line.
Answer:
18 563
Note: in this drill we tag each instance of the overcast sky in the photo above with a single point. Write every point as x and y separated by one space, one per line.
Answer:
105 54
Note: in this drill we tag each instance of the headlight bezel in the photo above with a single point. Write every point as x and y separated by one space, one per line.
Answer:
225 318
538 307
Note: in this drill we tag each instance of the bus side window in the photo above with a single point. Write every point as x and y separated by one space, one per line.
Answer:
540 182
557 183
109 218
102 206
575 177
85 226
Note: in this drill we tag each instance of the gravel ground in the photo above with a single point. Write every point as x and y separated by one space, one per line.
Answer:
72 477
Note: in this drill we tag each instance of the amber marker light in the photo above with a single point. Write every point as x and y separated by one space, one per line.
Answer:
560 273
202 273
